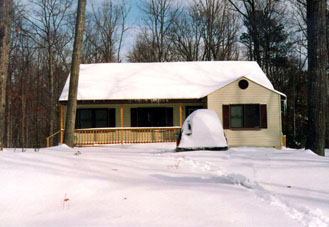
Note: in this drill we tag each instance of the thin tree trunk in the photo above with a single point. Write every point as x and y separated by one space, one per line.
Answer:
23 103
37 121
5 25
52 114
74 78
8 116
317 73
123 30
327 130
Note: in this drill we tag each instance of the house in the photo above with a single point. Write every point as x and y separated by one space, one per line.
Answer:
148 102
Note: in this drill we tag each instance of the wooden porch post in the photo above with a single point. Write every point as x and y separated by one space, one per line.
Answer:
62 124
121 110
180 115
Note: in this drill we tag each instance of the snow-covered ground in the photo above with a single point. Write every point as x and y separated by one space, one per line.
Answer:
151 185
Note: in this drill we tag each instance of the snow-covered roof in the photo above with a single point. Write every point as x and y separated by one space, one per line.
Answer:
171 80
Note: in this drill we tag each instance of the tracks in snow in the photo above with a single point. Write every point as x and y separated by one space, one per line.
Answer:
305 216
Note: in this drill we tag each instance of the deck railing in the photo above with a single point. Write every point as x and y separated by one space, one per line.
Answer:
85 137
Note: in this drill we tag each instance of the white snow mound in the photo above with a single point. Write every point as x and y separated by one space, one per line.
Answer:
202 129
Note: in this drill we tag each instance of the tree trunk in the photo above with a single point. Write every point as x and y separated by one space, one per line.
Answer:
327 136
23 103
74 78
5 25
52 109
317 74
9 116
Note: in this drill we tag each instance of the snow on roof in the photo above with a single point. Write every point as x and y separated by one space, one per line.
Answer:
171 80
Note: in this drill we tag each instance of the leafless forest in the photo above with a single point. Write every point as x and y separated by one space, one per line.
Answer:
271 32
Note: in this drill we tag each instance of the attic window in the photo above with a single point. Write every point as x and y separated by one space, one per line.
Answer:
243 84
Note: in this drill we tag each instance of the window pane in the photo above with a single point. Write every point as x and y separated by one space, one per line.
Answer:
101 118
111 118
85 118
101 115
86 124
169 117
101 124
95 118
144 117
134 117
86 115
237 116
252 116
151 117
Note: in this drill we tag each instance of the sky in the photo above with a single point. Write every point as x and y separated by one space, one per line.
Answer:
133 21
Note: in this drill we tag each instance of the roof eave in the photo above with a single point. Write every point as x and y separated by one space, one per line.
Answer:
130 101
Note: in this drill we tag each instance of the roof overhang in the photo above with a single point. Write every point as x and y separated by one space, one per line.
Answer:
138 101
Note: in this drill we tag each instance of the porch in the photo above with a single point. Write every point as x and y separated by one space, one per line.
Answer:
99 136
127 122
86 137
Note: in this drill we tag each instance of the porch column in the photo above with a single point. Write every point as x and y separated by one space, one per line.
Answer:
121 111
62 123
180 114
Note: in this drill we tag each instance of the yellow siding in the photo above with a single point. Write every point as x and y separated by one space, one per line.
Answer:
254 94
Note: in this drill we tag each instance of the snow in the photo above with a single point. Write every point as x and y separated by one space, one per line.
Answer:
171 80
202 129
151 185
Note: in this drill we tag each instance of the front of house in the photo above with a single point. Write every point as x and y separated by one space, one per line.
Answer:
148 102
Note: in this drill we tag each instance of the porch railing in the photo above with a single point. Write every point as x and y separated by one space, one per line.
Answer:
61 132
85 137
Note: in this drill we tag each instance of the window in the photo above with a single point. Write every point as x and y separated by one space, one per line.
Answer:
95 118
243 84
244 116
190 109
151 117
237 116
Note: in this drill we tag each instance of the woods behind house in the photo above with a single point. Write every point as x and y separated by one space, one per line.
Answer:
273 33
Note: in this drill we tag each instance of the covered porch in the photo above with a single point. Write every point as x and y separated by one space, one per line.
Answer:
127 121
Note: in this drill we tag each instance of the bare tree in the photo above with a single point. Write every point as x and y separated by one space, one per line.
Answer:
106 26
47 29
5 27
74 78
159 17
219 29
124 10
258 17
186 36
143 50
317 75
